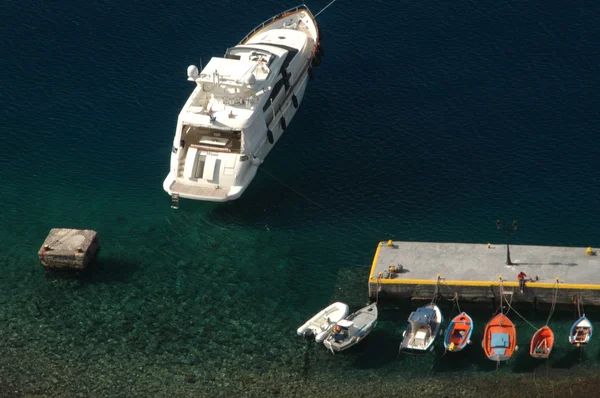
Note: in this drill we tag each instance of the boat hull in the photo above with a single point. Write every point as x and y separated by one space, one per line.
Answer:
581 332
458 335
364 321
410 342
541 343
322 323
499 338
222 171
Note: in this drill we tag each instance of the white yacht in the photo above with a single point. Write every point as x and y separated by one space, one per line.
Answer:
240 107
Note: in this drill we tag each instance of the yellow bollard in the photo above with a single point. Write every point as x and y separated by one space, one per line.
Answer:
589 251
489 245
390 243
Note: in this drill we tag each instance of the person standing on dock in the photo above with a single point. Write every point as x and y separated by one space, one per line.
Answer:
521 277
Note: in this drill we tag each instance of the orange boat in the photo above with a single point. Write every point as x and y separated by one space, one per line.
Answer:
499 338
541 343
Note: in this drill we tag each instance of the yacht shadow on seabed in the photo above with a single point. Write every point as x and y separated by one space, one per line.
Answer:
374 351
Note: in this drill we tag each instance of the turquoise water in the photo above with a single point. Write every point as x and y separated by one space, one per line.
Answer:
427 125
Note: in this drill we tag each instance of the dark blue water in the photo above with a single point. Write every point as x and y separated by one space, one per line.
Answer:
427 121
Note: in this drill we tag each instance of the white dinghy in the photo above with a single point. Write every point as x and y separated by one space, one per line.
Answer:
352 329
321 324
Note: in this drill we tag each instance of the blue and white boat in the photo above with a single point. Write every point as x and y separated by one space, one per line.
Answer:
458 335
581 332
424 326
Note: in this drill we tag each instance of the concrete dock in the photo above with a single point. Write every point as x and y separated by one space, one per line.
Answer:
478 272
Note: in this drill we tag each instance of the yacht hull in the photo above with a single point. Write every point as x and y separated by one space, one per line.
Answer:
209 162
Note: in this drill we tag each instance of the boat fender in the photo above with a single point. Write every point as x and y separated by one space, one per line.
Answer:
270 136
255 161
320 50
282 122
286 78
311 74
316 61
295 101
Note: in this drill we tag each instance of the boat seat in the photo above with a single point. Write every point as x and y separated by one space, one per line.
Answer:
499 351
500 340
321 325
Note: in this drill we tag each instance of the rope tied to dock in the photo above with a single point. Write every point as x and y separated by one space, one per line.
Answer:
436 292
521 316
510 307
502 299
456 301
554 299
378 287
580 309
365 228
501 289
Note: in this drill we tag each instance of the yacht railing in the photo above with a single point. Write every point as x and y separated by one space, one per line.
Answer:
272 19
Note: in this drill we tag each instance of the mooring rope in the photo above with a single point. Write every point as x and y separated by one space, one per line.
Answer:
87 216
378 286
363 228
447 287
502 299
580 309
436 291
457 304
554 299
501 296
521 316
324 8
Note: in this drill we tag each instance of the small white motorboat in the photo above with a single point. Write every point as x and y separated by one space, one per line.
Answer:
352 329
321 324
424 326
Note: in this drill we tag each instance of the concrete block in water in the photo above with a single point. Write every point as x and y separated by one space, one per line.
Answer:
66 248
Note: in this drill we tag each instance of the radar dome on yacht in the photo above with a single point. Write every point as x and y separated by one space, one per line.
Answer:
250 80
192 72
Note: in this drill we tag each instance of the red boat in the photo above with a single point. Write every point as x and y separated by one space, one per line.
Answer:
541 343
499 338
